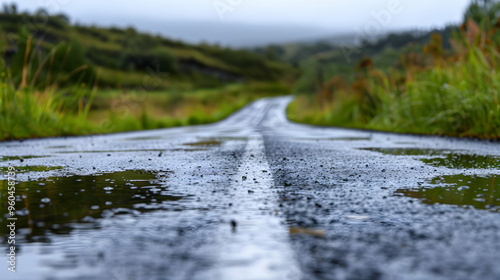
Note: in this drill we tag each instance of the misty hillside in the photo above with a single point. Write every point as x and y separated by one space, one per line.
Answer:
122 56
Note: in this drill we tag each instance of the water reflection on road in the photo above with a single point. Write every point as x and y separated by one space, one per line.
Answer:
59 204
465 190
254 195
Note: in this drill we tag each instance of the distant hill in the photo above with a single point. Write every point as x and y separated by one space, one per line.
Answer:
230 34
334 48
321 60
124 56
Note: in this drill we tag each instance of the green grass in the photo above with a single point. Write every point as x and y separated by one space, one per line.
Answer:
115 110
123 53
29 113
34 104
78 80
457 96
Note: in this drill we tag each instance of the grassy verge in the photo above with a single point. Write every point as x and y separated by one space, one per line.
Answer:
27 112
30 113
456 95
115 110
49 95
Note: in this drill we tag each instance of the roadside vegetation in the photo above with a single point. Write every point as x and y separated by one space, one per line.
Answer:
447 85
117 110
62 79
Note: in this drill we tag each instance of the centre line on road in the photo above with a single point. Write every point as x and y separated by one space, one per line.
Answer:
259 246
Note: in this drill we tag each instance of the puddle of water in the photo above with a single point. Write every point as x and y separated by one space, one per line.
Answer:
464 161
60 204
407 151
335 139
205 143
189 150
33 168
162 151
20 158
477 191
113 151
349 139
447 158
228 138
143 138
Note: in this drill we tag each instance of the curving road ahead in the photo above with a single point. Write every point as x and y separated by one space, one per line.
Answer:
254 197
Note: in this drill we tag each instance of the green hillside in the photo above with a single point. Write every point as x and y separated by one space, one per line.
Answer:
122 56
442 82
58 78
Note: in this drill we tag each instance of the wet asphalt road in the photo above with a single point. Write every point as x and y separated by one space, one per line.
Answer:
258 197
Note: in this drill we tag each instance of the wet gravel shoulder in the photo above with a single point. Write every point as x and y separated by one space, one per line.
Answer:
352 204
369 233
159 239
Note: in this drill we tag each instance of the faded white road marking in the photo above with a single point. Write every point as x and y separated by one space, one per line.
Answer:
259 247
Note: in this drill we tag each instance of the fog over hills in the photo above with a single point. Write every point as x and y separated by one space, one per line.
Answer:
227 34
258 22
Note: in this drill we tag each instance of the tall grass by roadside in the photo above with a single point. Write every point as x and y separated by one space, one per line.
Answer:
118 110
27 113
453 94
46 99
30 110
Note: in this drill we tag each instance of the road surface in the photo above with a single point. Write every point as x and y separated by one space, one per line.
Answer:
254 197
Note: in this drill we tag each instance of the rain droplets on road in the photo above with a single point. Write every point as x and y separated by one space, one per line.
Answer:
255 197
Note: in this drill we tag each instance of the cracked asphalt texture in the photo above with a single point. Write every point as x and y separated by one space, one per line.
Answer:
262 198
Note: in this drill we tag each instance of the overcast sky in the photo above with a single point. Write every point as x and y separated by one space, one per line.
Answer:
181 18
